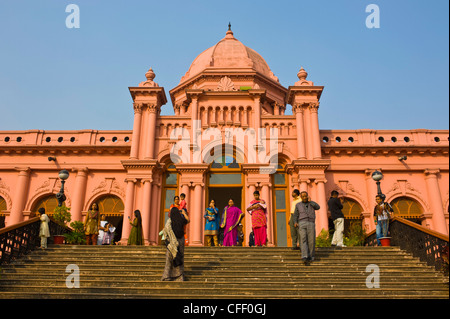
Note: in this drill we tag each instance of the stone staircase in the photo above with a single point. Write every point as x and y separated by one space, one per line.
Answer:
220 272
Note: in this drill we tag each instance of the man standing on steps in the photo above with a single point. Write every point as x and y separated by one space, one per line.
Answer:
305 220
294 230
335 206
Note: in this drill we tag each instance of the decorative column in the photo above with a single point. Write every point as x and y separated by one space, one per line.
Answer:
154 222
435 200
145 212
308 133
301 150
315 134
322 201
79 194
150 147
20 196
128 210
265 194
248 217
196 216
134 153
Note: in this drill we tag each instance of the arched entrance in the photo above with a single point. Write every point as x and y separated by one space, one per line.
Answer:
112 207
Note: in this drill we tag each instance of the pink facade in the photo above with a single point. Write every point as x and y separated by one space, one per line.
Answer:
228 86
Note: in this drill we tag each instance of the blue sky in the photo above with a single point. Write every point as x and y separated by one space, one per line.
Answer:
55 78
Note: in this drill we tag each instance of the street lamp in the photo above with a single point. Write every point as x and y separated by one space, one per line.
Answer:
377 176
63 175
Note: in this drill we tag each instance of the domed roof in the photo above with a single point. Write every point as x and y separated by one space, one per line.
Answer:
229 53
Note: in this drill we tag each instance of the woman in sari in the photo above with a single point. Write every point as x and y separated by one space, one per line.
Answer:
136 235
258 210
173 233
91 225
212 224
231 218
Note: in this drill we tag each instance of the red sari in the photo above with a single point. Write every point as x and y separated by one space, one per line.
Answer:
259 222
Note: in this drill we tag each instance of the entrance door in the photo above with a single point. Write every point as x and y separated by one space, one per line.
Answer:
221 195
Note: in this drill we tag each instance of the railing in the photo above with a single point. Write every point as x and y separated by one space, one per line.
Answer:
421 242
20 239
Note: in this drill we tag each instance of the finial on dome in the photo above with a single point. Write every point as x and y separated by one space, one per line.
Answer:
229 32
150 75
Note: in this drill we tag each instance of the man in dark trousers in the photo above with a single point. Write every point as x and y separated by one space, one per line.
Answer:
335 206
305 220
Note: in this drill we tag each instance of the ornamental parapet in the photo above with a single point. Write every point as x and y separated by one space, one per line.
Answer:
76 142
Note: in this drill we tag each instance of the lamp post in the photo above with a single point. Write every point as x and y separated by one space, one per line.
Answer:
63 175
377 176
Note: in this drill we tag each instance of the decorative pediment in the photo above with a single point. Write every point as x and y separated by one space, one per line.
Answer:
225 84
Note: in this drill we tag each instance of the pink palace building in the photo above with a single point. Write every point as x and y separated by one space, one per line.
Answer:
212 148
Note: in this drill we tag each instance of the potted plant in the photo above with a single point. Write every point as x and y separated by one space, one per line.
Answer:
76 237
61 216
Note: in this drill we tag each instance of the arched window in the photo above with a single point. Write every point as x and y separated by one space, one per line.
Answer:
2 204
2 208
49 203
110 205
407 208
351 210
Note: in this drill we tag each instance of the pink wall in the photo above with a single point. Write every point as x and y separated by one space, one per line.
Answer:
131 164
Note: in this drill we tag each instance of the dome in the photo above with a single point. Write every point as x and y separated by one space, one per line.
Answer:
229 53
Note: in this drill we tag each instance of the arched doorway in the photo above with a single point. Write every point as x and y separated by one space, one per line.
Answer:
352 214
112 207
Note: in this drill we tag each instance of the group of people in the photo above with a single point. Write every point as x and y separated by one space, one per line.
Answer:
98 231
302 221
302 226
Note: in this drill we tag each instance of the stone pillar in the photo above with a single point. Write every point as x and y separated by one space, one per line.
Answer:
265 194
128 211
248 217
145 212
134 153
150 147
155 212
196 217
322 218
315 134
79 194
435 200
301 149
308 133
257 122
20 196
